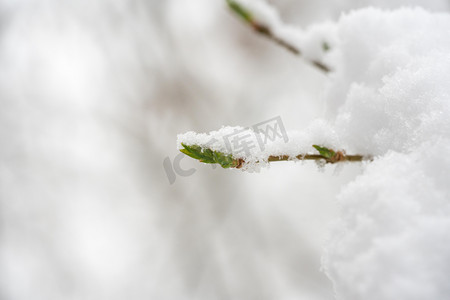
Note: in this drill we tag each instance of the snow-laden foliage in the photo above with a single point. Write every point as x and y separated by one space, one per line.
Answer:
389 96
255 156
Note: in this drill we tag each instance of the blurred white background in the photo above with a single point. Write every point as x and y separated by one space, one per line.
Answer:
92 96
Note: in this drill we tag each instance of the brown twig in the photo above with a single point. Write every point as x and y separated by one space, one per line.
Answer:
343 158
339 157
326 155
265 31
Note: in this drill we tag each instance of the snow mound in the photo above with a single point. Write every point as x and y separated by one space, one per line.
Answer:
390 96
392 240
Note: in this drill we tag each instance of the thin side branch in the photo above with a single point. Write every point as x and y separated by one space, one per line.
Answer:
265 31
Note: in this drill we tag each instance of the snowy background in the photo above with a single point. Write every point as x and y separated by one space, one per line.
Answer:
93 95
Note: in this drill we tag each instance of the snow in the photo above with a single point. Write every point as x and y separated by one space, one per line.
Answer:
389 96
392 239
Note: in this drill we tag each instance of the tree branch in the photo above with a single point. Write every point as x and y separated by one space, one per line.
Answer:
209 156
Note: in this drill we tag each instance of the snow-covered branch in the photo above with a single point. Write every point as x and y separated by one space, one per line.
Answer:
206 155
264 24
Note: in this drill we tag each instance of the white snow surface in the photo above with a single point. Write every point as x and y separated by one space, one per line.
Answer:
389 96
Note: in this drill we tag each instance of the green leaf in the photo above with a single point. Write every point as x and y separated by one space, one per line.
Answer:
209 157
226 161
240 10
192 151
325 152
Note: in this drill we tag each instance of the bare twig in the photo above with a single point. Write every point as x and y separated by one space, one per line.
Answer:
265 31
350 158
340 157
